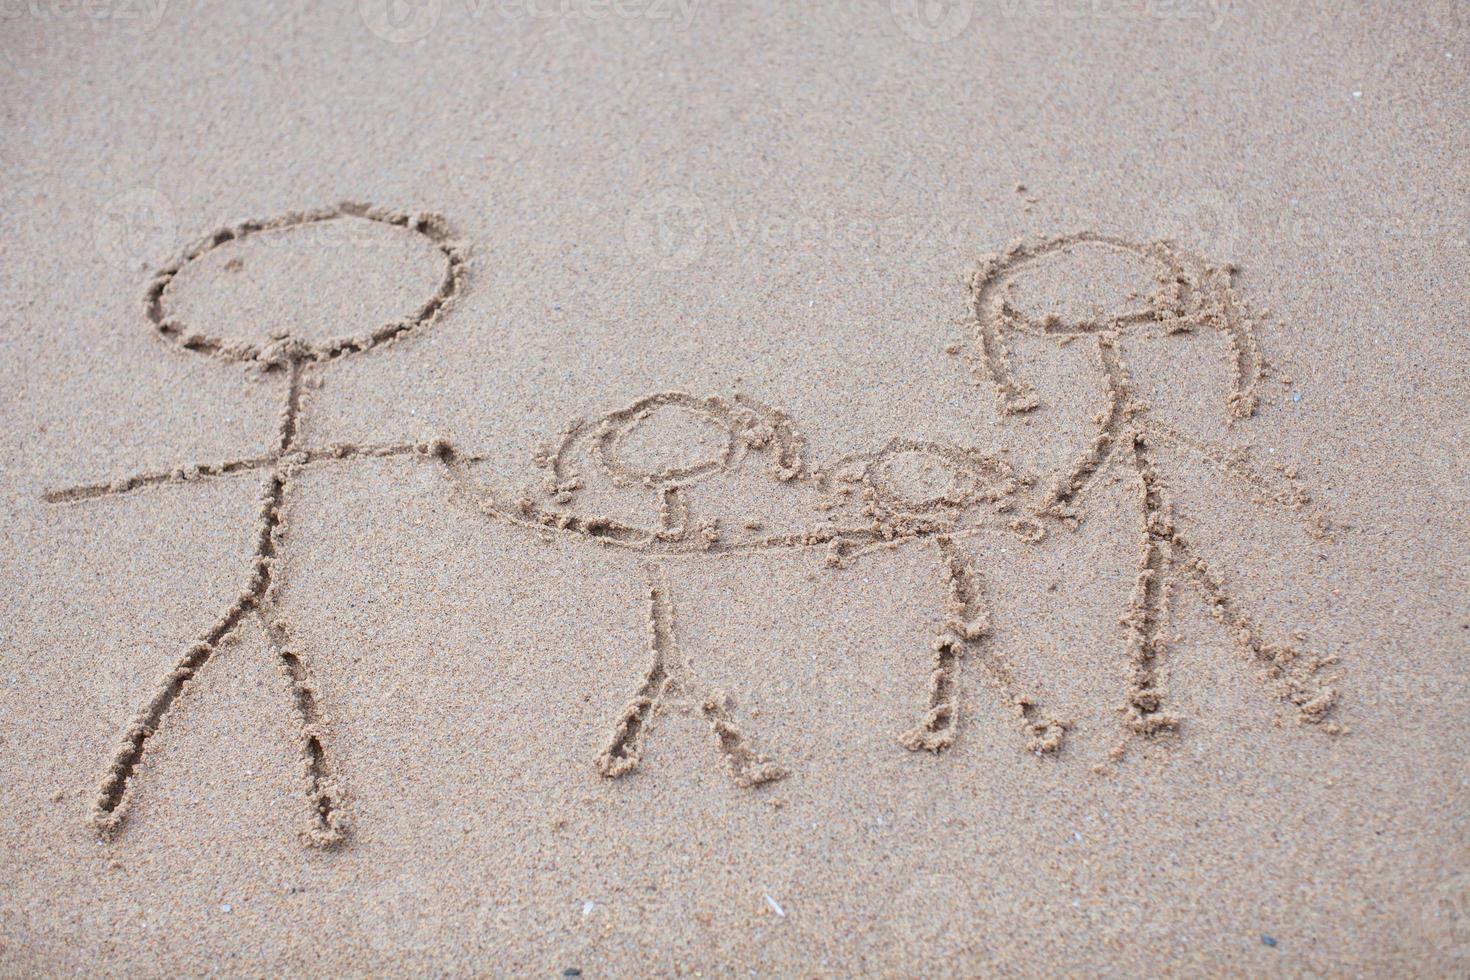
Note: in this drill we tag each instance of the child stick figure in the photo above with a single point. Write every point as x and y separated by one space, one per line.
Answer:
291 358
907 492
1190 294
690 439
910 492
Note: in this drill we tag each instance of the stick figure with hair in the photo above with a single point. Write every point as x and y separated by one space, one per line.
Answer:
906 493
291 359
1191 295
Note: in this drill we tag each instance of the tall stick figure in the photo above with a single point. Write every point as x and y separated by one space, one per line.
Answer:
1190 294
290 358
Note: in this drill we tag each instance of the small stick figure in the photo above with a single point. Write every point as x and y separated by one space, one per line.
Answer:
290 358
1191 294
691 440
871 504
910 491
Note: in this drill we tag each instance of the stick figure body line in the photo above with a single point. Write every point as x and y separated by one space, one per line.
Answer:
1191 295
290 358
868 512
906 493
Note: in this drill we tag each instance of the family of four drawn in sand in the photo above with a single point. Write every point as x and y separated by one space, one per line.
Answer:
905 493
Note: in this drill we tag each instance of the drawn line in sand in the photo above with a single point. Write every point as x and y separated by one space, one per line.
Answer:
1190 294
867 505
906 492
872 509
284 348
966 629
293 357
670 672
674 528
329 820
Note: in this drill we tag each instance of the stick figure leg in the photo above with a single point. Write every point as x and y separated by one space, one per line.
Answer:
328 818
1294 672
966 626
669 670
110 809
1146 623
1167 553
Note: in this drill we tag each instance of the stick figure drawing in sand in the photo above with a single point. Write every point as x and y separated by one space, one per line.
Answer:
671 455
872 503
948 497
292 359
1191 295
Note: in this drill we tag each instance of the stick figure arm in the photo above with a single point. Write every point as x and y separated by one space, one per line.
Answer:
848 546
186 473
1282 489
194 472
338 452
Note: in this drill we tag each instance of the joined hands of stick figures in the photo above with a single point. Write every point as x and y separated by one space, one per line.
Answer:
906 493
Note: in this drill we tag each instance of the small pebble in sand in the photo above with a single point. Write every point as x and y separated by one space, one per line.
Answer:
775 906
1269 941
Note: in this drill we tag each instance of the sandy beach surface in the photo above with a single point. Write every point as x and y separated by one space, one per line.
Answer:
683 487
